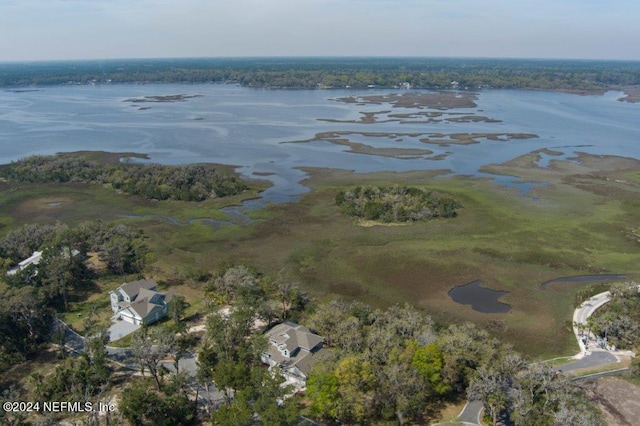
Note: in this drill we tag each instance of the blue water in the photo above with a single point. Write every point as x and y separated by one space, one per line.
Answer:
247 127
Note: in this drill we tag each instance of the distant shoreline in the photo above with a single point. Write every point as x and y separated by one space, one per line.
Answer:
584 77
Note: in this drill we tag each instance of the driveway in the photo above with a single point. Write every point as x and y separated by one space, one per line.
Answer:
73 341
594 359
120 328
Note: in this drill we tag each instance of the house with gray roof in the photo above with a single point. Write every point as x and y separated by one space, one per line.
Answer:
292 348
139 302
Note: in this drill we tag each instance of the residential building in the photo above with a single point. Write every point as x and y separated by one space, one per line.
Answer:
139 302
292 348
34 259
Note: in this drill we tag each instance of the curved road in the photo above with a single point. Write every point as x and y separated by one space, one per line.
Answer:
188 364
582 314
591 355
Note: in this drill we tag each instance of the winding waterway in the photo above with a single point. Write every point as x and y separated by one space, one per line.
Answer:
248 128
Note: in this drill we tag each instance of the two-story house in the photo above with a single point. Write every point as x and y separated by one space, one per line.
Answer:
292 348
139 302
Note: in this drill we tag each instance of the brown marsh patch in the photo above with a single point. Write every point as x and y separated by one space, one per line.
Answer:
442 139
420 117
162 98
631 94
435 100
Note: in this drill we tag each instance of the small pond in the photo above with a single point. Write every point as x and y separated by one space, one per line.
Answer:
481 299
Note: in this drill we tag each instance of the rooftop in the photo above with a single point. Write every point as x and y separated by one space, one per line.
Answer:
133 288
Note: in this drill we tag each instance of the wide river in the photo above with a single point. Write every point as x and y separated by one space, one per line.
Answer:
248 128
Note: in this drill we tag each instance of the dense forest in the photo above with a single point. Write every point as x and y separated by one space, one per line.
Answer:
395 204
420 73
154 181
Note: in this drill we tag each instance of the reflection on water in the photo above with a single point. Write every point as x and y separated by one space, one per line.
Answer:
481 299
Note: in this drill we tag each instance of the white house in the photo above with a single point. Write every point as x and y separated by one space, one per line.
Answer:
292 348
34 259
139 302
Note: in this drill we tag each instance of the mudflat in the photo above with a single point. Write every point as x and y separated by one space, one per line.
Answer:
434 100
442 139
162 98
632 94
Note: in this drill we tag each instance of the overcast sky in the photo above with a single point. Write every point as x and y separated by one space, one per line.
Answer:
93 29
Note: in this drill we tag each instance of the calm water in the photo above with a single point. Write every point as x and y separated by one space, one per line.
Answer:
583 279
481 299
247 127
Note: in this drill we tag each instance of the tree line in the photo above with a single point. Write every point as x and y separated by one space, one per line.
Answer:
311 73
395 204
189 183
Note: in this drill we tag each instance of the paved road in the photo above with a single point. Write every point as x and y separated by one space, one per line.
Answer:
75 344
121 356
471 413
588 307
594 359
582 314
590 354
187 364
73 341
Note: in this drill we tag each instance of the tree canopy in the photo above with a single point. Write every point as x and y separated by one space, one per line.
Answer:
395 204
195 182
619 320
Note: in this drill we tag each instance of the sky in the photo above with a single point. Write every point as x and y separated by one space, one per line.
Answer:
101 29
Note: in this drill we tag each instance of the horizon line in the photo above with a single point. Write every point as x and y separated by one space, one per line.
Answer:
322 57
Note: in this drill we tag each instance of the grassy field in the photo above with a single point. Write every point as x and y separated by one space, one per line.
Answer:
578 223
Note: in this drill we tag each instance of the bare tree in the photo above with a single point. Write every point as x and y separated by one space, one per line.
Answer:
150 347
